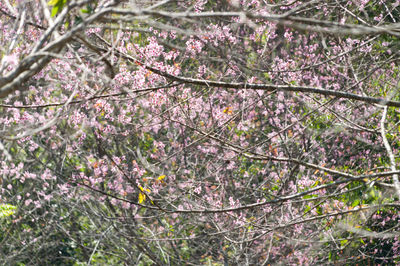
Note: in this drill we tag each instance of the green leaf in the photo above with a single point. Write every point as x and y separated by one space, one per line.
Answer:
7 210
57 6
310 196
355 203
54 11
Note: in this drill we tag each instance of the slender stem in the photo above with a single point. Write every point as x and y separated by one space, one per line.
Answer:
390 152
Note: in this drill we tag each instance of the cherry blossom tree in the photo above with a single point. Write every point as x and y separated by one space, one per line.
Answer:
230 132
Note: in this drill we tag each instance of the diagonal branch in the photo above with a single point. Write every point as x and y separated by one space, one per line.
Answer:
273 87
252 86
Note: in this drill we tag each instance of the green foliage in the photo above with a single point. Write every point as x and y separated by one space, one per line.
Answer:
7 210
57 6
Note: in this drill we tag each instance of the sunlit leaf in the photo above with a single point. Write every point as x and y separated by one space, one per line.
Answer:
7 210
57 6
54 11
142 197
53 2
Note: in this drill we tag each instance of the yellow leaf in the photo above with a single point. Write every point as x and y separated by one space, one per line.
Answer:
228 110
161 177
143 190
53 2
142 197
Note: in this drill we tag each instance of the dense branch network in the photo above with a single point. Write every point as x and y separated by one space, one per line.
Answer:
201 132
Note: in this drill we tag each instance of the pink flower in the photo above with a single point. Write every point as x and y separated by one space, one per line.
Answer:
197 190
10 60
